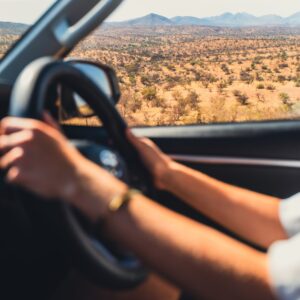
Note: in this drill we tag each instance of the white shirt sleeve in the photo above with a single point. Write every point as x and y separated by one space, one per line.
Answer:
284 256
284 268
290 215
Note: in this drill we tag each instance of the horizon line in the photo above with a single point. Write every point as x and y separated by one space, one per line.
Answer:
209 16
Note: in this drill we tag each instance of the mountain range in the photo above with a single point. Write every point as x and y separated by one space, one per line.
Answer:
224 20
13 28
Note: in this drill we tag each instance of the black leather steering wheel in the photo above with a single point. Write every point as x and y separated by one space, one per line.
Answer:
28 100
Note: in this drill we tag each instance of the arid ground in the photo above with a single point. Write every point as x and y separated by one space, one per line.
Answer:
188 75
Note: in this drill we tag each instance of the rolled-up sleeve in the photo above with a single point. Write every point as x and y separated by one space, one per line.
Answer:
284 256
290 215
284 268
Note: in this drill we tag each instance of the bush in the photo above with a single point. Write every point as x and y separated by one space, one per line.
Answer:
247 77
257 60
259 77
230 80
271 87
145 80
132 68
283 66
285 98
260 86
281 78
132 79
242 98
149 93
283 55
192 99
225 69
222 85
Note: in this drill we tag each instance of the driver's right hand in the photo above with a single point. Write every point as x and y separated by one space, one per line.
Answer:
157 162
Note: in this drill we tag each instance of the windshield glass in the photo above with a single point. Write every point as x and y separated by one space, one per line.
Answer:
187 62
16 17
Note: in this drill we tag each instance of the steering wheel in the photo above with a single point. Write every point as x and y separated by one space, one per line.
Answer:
29 99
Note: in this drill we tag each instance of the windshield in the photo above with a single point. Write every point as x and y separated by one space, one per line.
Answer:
187 62
16 17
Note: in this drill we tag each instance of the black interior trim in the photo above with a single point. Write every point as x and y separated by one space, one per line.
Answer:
273 140
225 130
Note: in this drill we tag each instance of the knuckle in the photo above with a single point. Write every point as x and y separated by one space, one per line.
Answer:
148 142
13 175
144 140
36 132
5 122
31 135
19 152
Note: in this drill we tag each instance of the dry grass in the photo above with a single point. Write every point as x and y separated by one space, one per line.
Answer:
189 75
176 79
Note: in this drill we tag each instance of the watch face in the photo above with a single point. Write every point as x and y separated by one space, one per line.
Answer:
111 162
109 159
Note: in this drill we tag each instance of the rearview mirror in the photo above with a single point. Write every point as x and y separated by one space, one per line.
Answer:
103 76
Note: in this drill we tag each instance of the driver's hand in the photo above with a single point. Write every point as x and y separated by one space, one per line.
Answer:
155 160
38 157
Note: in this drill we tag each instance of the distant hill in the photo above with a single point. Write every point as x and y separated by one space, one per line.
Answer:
150 20
294 20
225 20
13 28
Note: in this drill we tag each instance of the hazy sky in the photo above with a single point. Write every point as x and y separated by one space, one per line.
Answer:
27 11
204 8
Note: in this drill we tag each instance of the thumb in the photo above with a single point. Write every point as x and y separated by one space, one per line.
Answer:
133 139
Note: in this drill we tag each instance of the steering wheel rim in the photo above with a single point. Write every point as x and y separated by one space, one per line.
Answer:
28 100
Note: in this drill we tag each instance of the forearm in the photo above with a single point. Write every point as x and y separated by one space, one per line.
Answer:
193 256
196 258
251 215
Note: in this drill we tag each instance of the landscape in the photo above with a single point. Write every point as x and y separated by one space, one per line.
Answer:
187 70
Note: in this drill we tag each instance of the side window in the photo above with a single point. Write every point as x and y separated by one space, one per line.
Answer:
211 67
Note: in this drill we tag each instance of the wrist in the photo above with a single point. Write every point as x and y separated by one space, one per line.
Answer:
164 174
92 189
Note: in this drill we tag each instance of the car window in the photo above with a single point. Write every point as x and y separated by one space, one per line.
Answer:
187 63
16 17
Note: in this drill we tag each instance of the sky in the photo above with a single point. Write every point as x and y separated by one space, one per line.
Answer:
27 11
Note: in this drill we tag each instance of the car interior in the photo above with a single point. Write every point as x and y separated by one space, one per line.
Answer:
43 245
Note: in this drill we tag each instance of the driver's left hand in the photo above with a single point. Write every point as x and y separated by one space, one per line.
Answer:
38 157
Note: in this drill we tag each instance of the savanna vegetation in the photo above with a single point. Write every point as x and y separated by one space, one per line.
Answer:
188 75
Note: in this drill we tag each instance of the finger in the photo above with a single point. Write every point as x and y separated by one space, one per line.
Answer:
8 142
50 121
140 143
13 175
147 142
11 125
11 158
